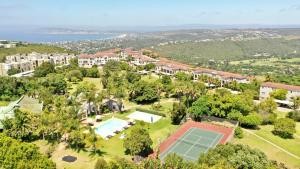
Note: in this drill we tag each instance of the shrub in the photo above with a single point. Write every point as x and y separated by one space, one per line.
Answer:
150 112
295 115
251 120
101 164
279 94
238 132
284 127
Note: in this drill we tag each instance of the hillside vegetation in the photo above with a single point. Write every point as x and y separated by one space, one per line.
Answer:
202 52
31 48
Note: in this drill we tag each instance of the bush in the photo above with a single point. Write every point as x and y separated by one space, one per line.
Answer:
150 112
101 164
295 115
279 94
284 127
238 132
251 120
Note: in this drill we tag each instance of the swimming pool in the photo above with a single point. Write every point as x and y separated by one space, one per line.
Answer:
108 127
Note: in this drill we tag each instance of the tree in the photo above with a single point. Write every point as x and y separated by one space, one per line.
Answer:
199 108
55 83
143 92
13 71
133 77
73 62
182 76
252 120
149 66
21 127
101 164
166 80
178 113
237 156
45 69
76 140
93 72
92 139
238 132
296 103
74 76
266 109
285 127
20 155
279 94
138 142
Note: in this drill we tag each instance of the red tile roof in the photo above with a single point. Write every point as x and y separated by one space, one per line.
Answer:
220 73
144 58
281 86
107 53
172 64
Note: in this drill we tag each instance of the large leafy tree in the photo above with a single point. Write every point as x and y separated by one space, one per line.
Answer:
200 107
22 127
138 142
285 127
236 155
178 113
19 155
144 92
45 69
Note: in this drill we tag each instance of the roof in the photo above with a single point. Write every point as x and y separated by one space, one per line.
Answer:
172 64
220 73
107 53
281 86
144 58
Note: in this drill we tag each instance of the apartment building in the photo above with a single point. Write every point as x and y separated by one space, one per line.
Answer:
267 88
28 62
99 58
224 77
168 67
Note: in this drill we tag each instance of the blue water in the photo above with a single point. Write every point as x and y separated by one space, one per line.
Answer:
44 38
110 126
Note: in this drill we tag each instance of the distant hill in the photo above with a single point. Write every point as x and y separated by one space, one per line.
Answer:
23 49
203 52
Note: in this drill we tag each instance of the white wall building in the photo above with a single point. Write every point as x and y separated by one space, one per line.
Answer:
267 88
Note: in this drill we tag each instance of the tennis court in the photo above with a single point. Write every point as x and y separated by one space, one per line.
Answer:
192 143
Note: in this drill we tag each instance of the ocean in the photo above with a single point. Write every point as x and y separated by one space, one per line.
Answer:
51 38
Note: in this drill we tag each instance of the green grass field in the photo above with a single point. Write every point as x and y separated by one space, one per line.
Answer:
271 151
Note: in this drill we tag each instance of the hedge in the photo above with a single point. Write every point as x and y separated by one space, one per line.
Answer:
150 111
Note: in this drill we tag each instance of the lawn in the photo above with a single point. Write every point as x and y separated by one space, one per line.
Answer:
4 103
291 145
96 81
272 152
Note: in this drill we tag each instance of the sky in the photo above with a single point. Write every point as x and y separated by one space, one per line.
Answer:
132 13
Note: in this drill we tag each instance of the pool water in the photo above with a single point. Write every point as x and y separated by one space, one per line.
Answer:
108 127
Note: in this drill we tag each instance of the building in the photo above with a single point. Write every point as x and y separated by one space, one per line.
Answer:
168 67
224 77
99 58
267 88
141 60
28 62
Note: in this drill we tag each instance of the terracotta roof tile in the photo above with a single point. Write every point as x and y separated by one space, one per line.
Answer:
281 86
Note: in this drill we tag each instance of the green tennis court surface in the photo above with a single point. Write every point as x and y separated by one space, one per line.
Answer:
192 143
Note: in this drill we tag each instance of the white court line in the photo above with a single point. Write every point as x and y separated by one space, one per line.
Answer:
176 143
192 146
